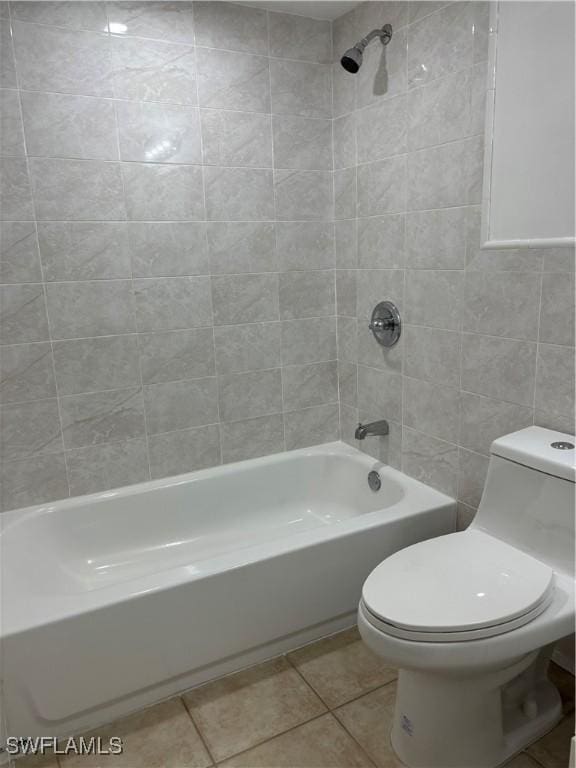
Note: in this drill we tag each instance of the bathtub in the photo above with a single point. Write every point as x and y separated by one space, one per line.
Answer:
114 601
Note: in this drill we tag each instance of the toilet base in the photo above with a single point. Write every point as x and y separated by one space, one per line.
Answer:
480 721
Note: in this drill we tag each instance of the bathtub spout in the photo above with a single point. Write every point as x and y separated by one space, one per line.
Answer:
375 428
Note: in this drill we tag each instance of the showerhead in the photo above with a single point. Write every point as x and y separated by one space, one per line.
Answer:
352 59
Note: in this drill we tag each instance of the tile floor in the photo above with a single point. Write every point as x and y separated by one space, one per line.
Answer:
327 705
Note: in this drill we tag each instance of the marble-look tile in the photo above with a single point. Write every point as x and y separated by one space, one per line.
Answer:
434 298
89 365
176 355
303 195
298 37
242 348
158 133
432 355
437 239
306 294
322 743
559 423
72 15
507 260
102 417
557 309
471 476
7 66
11 133
161 21
559 260
307 385
369 720
346 245
22 314
478 93
347 339
86 190
373 284
446 176
26 373
432 461
230 26
383 71
344 136
348 423
429 55
152 70
501 304
553 750
30 429
62 60
160 735
300 88
35 480
311 426
163 192
381 242
304 245
484 419
98 308
244 299
382 129
252 438
500 368
165 304
228 80
236 138
168 249
340 668
111 465
15 192
555 380
379 394
382 187
420 8
344 86
174 453
432 409
59 125
235 247
19 256
311 340
348 383
346 292
440 111
247 395
83 251
239 194
177 405
302 143
242 710
345 193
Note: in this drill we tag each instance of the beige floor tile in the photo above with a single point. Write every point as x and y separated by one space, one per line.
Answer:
564 681
553 750
159 737
369 720
522 761
322 743
242 710
341 667
36 761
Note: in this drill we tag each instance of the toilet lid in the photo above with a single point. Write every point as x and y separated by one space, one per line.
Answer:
462 581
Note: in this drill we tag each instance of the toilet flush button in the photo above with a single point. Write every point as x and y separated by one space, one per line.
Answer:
561 445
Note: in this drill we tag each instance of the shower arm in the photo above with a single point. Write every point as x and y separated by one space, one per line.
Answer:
385 35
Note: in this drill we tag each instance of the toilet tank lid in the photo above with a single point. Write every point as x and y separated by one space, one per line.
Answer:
532 447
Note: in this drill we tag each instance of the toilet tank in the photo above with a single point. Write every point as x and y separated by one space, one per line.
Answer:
528 498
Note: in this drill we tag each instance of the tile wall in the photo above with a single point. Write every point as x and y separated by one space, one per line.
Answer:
167 250
488 337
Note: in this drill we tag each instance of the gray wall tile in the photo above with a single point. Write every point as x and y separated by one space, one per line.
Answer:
302 143
303 195
235 247
102 417
22 314
7 66
89 365
236 138
381 242
308 385
229 80
11 133
72 15
296 37
304 245
300 88
234 27
19 256
239 194
176 355
15 191
437 239
33 481
311 426
382 187
432 409
309 340
432 355
164 192
83 250
158 133
164 304
165 21
557 309
26 373
306 294
244 299
555 380
485 419
98 308
431 461
112 465
30 429
247 395
379 394
434 297
187 450
471 477
252 347
382 130
168 249
252 438
502 304
180 405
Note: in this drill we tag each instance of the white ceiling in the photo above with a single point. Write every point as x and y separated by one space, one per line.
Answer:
315 9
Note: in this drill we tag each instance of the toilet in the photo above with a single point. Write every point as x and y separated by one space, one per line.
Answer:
470 619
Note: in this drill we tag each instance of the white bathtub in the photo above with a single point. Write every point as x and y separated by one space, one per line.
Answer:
116 600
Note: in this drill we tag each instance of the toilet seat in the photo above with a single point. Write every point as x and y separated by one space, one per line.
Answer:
459 587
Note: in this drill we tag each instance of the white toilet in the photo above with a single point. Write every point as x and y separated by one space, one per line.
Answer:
471 618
